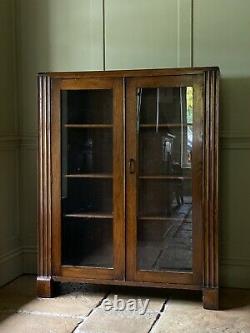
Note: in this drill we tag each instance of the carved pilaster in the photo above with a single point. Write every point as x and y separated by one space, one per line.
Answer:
44 280
211 257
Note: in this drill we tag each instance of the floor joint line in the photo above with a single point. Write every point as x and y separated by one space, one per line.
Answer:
159 314
89 313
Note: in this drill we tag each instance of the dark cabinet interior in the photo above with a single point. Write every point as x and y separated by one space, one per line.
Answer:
129 179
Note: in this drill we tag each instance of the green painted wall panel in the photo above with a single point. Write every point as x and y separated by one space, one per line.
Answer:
9 226
8 116
221 38
10 254
52 35
235 198
147 34
55 35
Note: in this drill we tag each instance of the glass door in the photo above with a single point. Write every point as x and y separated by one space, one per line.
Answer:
164 156
90 152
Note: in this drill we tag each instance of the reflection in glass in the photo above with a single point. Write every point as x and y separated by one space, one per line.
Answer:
88 150
165 245
164 226
168 105
161 152
164 197
186 96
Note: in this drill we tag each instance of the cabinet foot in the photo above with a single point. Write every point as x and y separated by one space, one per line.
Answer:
211 298
45 286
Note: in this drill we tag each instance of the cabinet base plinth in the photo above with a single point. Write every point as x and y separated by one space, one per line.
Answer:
45 286
211 298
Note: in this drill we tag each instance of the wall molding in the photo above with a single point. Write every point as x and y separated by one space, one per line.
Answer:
29 259
234 140
235 144
103 35
18 261
29 142
29 249
5 256
10 148
184 33
234 274
9 141
10 265
236 262
10 255
234 134
13 239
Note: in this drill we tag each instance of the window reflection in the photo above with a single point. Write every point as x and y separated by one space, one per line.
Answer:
186 101
164 227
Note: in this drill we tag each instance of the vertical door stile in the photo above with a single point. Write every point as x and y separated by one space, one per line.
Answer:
118 185
131 199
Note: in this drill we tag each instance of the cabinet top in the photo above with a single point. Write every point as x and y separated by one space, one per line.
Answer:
133 72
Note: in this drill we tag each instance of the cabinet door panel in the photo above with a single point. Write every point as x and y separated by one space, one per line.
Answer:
88 221
164 138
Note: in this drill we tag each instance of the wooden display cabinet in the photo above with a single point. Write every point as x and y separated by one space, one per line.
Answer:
128 179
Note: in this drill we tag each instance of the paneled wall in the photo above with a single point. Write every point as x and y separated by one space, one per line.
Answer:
52 35
221 38
117 34
147 34
10 247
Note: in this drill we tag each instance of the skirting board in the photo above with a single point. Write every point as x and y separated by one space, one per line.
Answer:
29 260
11 265
234 273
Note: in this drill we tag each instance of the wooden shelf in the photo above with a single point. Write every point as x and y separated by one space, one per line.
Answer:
162 218
90 175
90 215
164 125
162 177
88 125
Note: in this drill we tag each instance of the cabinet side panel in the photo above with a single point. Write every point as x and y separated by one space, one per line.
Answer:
211 255
44 188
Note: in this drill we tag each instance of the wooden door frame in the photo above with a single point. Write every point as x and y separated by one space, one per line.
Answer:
67 271
178 277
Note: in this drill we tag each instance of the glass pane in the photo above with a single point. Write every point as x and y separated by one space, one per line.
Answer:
87 177
81 195
165 105
87 106
165 131
166 151
165 245
87 242
165 198
88 150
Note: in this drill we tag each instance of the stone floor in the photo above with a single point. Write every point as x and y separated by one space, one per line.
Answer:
80 308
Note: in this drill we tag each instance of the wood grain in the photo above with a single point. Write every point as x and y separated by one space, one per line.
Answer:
204 178
44 279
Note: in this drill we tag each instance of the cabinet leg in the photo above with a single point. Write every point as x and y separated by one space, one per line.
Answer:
45 286
211 298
